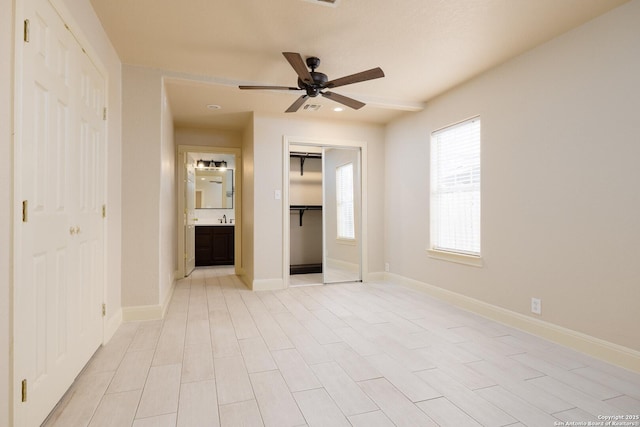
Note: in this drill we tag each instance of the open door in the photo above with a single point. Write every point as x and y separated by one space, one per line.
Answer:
342 234
189 223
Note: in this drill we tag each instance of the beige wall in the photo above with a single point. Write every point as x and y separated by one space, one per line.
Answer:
560 147
141 178
208 137
6 193
269 132
168 256
248 206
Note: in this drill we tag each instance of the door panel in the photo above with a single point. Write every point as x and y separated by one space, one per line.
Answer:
342 250
190 229
59 249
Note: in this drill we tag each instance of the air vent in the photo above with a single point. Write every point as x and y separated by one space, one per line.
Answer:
312 107
332 3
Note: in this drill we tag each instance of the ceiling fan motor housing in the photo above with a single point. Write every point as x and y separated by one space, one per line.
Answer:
319 82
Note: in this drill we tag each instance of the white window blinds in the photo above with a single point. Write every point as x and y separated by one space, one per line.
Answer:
344 201
455 188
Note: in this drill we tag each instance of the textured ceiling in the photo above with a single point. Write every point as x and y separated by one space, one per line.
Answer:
425 47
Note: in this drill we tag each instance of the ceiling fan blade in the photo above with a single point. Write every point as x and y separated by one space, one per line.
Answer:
296 105
299 66
374 73
269 87
349 102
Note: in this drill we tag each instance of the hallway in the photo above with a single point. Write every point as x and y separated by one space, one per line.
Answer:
353 354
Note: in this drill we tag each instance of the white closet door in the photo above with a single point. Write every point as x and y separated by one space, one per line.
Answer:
189 228
60 170
341 214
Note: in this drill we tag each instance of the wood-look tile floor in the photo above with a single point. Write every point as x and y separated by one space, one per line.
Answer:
339 355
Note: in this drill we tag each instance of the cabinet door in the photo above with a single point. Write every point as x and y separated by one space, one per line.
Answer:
203 245
222 253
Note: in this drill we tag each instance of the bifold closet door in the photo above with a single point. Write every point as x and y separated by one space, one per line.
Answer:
60 170
342 234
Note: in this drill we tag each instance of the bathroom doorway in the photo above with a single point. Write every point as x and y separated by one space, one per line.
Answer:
209 207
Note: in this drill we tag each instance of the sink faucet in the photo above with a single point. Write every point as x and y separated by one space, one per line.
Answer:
225 218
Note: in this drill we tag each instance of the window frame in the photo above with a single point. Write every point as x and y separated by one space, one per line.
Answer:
339 204
442 252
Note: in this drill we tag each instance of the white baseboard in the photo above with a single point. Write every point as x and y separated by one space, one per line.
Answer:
609 352
148 312
267 285
111 325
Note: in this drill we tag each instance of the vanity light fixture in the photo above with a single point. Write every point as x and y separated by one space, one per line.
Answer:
221 165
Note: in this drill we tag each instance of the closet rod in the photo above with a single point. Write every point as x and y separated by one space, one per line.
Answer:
303 208
303 157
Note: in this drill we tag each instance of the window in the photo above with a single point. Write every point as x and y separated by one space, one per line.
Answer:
455 188
344 201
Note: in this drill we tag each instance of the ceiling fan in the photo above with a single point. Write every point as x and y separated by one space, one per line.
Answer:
315 83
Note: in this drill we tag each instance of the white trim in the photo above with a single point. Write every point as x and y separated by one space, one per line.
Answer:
472 260
344 241
609 352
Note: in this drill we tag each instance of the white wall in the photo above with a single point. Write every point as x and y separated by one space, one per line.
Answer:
560 150
269 132
6 193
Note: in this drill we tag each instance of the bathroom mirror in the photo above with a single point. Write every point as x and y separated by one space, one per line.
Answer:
214 188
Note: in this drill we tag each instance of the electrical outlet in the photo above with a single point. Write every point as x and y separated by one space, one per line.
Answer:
536 306
386 267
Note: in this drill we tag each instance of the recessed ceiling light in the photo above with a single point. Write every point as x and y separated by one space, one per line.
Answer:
338 109
214 107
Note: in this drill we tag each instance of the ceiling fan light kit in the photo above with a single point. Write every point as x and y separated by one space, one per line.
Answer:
315 83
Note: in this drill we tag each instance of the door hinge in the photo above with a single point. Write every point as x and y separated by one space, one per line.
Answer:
185 255
104 113
104 309
26 30
104 211
25 210
24 390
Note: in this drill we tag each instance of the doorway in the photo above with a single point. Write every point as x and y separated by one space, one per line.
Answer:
323 193
209 207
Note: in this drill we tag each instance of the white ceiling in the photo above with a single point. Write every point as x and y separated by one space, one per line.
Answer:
425 47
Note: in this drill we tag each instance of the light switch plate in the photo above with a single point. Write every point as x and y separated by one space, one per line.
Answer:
277 194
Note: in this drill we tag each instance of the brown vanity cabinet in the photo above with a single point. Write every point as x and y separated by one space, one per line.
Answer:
214 245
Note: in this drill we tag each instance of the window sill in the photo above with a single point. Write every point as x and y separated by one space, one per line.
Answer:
349 242
472 260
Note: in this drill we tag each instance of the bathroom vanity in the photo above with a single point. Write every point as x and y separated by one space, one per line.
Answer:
214 244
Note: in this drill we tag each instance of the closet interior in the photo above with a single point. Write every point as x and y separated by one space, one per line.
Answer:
305 200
